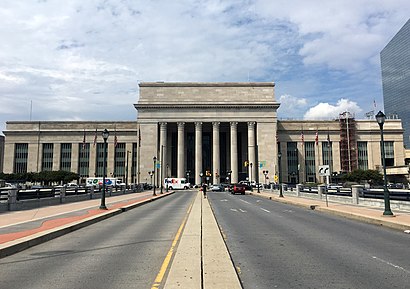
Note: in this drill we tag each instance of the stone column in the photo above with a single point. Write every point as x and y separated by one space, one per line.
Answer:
251 150
181 150
163 151
216 153
198 152
234 152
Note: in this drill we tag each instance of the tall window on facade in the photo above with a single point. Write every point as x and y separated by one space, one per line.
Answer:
310 167
65 157
293 162
47 160
327 154
362 155
389 153
84 159
119 159
20 158
134 160
99 161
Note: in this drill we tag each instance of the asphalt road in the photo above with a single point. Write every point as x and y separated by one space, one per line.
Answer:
125 251
274 245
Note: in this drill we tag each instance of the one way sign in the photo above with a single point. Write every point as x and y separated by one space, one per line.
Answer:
324 171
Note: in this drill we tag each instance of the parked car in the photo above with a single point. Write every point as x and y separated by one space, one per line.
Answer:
334 186
238 189
217 188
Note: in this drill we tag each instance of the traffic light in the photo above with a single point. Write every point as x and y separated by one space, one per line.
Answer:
208 173
245 163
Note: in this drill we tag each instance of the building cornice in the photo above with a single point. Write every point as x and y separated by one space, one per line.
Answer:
207 106
206 84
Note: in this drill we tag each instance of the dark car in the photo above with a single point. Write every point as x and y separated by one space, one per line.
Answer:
238 189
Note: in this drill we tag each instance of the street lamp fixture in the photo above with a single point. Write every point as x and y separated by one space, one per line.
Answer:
280 175
381 117
153 172
105 135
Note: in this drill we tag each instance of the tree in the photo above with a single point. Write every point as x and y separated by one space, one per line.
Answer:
360 176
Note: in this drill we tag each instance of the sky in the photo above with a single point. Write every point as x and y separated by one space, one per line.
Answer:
82 60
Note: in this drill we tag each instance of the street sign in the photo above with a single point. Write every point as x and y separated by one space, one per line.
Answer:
324 171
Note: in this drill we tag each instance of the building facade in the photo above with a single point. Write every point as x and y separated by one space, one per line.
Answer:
395 64
227 132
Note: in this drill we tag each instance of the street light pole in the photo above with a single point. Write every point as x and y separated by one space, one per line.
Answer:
280 175
381 117
162 168
126 172
167 176
153 172
105 135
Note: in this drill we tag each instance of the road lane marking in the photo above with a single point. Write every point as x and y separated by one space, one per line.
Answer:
243 211
391 264
264 210
166 263
235 210
245 201
224 200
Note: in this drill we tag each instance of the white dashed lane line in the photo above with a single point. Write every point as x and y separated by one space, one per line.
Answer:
267 211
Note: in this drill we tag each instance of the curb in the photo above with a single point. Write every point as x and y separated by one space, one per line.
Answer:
21 244
362 218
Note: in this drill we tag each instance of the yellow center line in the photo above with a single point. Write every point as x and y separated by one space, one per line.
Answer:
168 257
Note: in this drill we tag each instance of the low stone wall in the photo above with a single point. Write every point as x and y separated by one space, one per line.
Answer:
13 205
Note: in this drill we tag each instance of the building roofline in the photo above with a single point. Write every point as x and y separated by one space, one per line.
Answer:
206 84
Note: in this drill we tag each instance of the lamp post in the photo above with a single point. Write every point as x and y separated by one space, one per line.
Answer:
187 175
250 176
105 135
201 175
381 117
153 172
265 173
167 176
162 168
150 174
280 175
126 171
229 174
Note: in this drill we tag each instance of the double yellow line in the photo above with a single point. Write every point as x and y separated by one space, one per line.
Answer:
167 260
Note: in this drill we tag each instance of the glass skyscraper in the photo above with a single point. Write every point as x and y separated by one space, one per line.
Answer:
395 63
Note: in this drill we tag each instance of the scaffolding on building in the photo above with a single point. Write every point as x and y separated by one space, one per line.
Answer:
348 144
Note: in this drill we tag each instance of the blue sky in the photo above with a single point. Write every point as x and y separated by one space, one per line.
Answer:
82 60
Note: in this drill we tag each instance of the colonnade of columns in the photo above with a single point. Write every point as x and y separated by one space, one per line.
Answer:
215 146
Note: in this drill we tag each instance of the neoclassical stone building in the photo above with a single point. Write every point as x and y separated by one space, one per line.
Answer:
228 130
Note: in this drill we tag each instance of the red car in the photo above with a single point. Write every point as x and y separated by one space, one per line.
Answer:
238 189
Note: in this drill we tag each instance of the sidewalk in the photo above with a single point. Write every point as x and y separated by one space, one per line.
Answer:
400 220
20 230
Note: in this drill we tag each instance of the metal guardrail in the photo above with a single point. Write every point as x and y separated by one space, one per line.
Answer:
395 194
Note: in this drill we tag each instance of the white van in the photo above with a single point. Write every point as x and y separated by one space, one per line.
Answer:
176 184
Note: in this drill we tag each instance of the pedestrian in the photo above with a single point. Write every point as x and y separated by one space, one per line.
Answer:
204 190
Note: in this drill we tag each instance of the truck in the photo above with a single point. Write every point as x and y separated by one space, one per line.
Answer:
98 182
176 184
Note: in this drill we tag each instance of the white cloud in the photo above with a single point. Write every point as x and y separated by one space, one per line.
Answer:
291 106
76 58
326 111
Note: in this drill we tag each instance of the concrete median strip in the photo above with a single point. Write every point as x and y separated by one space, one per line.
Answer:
14 246
202 259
